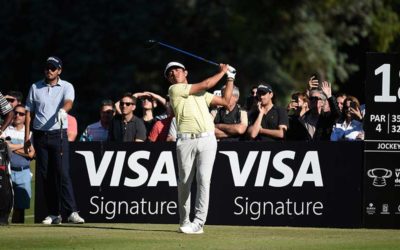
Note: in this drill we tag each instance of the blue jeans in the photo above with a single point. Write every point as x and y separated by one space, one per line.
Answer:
54 169
22 188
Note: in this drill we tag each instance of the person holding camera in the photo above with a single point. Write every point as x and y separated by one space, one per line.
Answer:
297 108
318 121
351 128
268 122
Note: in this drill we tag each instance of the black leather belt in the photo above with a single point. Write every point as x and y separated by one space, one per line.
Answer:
18 169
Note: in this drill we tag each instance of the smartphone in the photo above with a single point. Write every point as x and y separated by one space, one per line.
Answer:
318 78
295 97
353 105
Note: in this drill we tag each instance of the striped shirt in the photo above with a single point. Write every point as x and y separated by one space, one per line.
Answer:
5 107
95 132
191 111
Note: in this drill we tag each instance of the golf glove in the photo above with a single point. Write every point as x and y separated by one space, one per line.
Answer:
62 116
231 73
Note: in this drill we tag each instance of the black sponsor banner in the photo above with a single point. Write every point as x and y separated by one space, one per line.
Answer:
381 208
253 183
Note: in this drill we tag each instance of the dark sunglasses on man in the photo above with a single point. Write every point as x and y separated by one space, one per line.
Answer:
19 113
50 67
125 104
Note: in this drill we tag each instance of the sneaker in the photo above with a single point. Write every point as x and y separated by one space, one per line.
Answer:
52 220
194 228
75 218
186 226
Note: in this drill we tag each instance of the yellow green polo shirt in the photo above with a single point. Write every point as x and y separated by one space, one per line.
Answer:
191 111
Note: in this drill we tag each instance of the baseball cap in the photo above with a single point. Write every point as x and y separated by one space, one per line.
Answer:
55 61
264 88
173 65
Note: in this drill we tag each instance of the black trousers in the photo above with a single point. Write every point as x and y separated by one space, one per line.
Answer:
54 170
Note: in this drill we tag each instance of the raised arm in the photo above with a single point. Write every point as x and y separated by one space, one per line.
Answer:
209 82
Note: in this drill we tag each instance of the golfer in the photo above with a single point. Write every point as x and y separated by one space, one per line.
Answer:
47 105
196 145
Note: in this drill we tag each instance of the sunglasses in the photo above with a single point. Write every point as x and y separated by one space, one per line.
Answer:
11 99
126 103
315 98
51 68
19 113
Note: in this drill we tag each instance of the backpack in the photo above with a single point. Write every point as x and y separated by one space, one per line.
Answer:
6 191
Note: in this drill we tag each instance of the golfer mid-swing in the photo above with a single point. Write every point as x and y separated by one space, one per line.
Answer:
196 144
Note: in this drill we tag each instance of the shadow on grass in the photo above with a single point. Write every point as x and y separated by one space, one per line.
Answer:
93 227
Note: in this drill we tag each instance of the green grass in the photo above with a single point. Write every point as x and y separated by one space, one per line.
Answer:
153 236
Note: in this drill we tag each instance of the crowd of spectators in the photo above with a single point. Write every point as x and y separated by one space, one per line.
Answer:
311 115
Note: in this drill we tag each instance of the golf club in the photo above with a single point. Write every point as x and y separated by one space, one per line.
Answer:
152 43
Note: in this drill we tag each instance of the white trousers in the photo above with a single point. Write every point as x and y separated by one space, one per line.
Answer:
195 155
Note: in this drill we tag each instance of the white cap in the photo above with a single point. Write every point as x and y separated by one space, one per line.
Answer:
173 64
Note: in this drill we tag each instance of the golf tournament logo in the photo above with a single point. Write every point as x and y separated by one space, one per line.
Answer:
379 176
371 209
397 179
385 208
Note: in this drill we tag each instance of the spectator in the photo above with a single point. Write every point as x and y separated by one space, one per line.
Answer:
297 107
20 162
126 127
268 122
14 97
148 102
160 130
47 105
317 123
251 99
230 122
351 128
340 99
99 131
147 113
6 113
72 130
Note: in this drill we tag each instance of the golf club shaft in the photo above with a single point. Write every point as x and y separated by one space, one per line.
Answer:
188 53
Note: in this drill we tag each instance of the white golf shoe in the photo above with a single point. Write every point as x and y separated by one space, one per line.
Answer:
75 218
52 220
194 228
